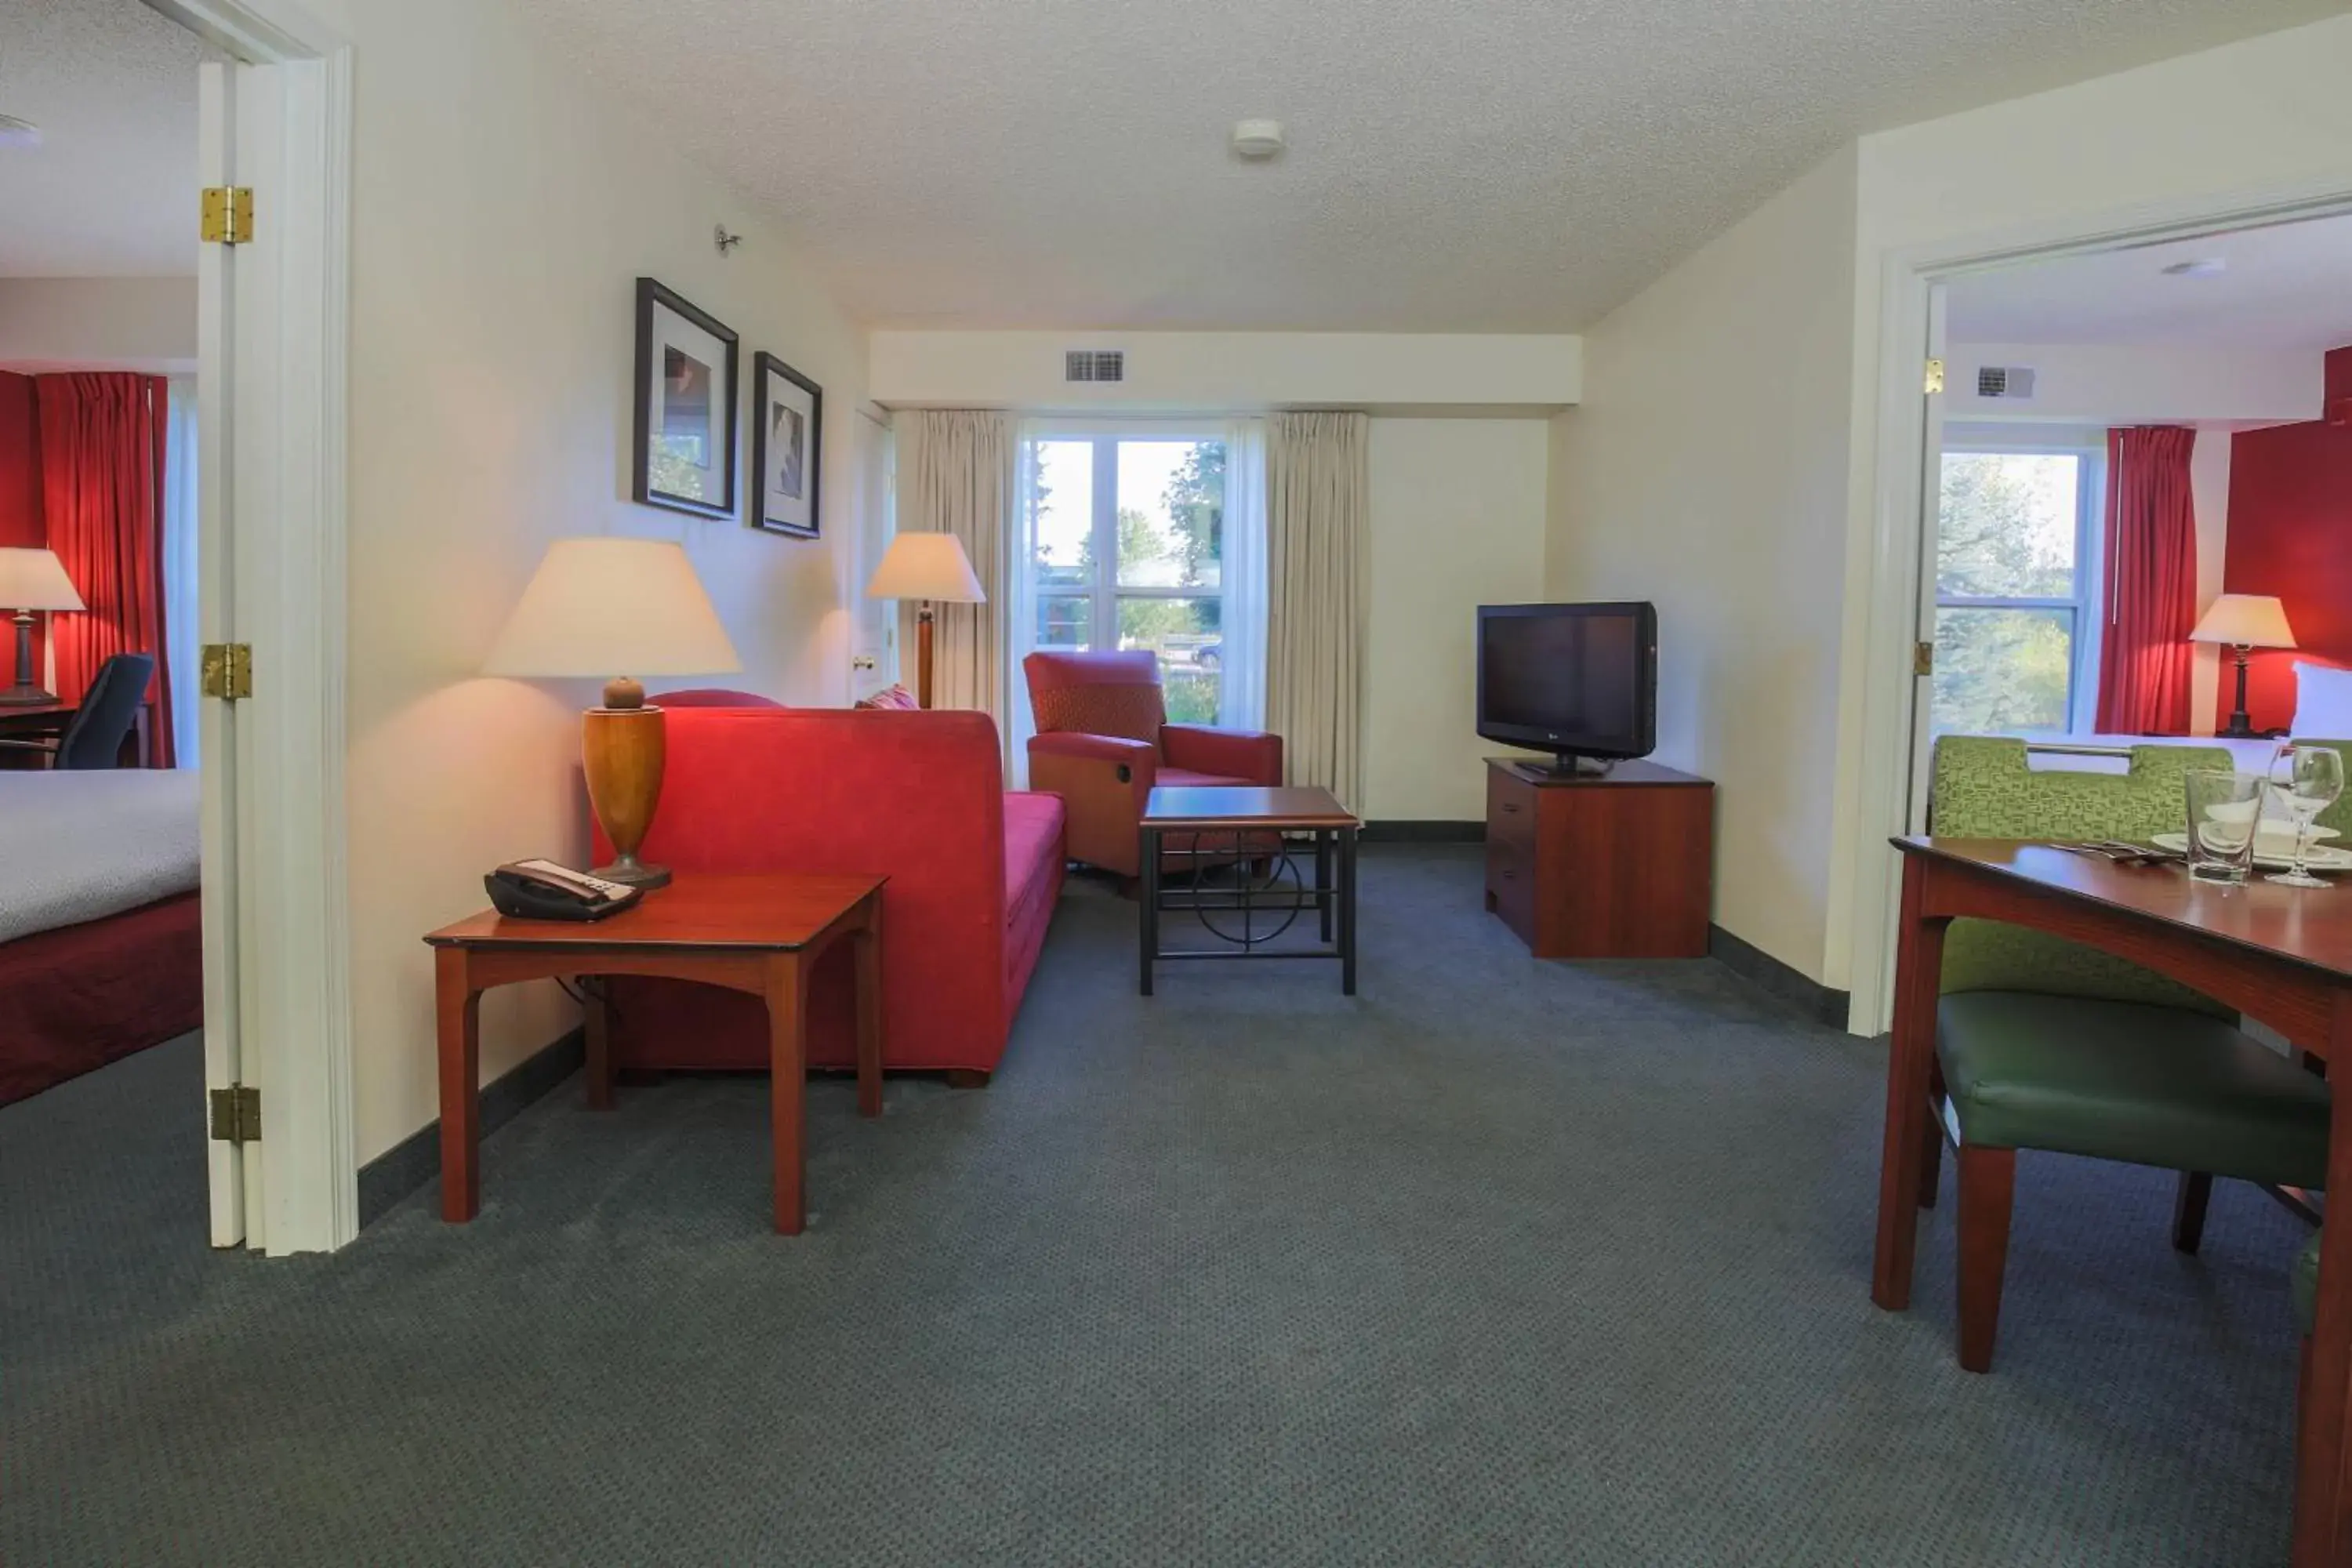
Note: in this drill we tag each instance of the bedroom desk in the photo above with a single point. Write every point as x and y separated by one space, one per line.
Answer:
48 722
2280 954
757 933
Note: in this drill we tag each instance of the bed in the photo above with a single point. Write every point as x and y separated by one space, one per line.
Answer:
101 948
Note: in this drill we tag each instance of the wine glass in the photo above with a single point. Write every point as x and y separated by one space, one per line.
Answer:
2308 779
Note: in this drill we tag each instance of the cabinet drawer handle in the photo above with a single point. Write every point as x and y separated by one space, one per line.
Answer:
1510 805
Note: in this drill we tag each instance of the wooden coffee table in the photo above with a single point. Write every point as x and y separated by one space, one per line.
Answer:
762 934
1235 825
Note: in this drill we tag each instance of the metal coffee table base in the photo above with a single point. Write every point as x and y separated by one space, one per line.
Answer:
1248 913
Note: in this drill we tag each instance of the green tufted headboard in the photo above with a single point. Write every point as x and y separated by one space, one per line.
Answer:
1984 789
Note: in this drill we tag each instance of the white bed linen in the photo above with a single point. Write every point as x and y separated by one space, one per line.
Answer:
80 845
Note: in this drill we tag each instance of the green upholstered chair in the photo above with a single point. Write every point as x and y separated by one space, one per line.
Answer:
2045 1043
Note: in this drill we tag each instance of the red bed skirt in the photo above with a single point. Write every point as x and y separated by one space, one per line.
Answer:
80 996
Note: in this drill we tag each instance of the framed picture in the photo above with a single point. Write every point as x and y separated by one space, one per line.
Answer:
787 446
684 456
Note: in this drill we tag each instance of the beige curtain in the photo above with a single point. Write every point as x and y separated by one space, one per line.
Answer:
956 476
1318 495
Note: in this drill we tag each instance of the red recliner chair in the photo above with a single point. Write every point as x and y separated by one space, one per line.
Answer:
1103 741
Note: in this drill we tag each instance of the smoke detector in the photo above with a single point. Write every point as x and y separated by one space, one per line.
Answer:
15 133
1257 140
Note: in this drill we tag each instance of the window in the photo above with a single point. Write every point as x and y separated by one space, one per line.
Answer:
2016 588
1128 554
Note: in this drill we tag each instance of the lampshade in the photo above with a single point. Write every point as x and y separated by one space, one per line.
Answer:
34 580
2245 620
926 566
612 607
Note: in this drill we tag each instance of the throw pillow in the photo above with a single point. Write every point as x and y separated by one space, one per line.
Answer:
893 699
2322 702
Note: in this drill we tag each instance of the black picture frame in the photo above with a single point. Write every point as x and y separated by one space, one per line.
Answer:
646 488
800 518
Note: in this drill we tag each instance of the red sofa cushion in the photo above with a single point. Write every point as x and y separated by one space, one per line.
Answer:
1096 693
918 797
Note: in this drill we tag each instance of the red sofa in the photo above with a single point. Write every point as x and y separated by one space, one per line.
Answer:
974 873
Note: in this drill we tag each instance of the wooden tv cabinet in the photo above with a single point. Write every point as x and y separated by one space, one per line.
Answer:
1614 864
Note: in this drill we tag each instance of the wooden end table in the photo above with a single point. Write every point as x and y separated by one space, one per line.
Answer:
761 934
1241 823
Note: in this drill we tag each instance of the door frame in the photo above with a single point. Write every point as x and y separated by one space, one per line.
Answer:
282 415
1900 522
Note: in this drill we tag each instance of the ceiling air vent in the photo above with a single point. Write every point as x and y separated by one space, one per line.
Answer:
2008 381
1094 365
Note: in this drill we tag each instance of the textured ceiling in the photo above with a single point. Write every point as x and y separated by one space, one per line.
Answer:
1454 164
2288 286
111 190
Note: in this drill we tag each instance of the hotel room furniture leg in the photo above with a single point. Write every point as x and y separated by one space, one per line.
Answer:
1919 961
788 1086
1323 883
1148 902
2323 1504
461 1046
869 956
596 1021
1347 911
1987 1180
2190 1202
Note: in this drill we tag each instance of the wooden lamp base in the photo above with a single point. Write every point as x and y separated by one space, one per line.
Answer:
623 748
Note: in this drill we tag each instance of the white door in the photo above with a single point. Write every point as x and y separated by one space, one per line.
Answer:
1931 496
234 1168
874 623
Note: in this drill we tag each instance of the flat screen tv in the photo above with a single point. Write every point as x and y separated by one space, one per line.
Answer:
1579 681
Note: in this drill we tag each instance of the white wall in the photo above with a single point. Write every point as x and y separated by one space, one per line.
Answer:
1457 520
2121 383
1188 372
501 214
111 323
1707 469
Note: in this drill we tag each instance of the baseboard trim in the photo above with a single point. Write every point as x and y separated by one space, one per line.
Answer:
1423 833
1809 996
417 1159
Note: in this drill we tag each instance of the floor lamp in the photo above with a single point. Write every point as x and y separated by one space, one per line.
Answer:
596 606
932 568
2244 622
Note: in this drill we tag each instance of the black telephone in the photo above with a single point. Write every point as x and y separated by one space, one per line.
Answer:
544 891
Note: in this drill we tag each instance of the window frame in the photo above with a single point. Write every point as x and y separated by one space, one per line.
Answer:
2088 604
1104 594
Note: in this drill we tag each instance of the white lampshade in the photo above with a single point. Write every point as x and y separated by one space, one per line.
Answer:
613 606
2245 620
926 566
34 580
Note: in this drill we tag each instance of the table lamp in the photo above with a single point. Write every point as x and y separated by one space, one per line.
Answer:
597 605
31 579
932 567
2244 622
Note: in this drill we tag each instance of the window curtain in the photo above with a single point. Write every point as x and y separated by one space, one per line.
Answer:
180 581
956 476
1240 698
103 438
1021 602
2144 657
1317 497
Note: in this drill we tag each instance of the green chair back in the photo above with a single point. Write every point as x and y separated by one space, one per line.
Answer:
1984 788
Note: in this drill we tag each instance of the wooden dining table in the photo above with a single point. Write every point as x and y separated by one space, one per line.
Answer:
2280 955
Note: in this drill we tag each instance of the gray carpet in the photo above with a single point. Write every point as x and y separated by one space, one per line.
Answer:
1500 1262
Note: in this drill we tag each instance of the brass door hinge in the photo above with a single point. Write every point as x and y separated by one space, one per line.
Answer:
227 215
1934 376
236 1114
227 671
1923 658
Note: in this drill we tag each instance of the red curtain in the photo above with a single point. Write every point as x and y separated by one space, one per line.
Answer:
102 495
2151 563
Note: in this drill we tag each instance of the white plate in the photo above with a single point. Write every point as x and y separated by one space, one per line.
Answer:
2272 851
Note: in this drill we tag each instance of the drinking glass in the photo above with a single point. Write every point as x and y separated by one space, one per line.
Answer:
2307 779
2224 809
